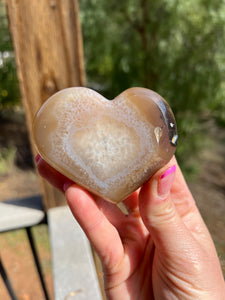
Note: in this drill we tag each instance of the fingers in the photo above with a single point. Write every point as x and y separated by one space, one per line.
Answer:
101 233
180 193
50 174
184 248
162 213
96 216
131 204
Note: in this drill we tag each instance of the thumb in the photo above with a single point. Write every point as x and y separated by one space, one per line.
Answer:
159 213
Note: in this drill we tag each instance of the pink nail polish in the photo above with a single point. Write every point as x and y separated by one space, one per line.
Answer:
37 157
165 182
168 171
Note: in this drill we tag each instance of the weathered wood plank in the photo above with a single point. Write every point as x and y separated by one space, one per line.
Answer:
73 265
48 48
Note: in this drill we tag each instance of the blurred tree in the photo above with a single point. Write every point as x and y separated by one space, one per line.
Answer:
9 88
173 47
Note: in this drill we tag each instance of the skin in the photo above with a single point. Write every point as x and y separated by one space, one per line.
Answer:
161 250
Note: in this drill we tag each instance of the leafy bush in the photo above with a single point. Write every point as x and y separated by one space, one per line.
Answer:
9 89
173 47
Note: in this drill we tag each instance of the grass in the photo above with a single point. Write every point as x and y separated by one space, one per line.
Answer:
18 261
7 156
41 237
15 238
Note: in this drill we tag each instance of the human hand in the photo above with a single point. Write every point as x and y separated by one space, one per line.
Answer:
160 250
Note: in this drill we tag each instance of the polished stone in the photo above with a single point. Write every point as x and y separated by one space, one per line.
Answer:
109 147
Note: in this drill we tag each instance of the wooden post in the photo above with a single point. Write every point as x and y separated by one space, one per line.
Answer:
48 48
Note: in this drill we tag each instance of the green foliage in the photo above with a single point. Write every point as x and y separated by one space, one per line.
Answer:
173 47
9 90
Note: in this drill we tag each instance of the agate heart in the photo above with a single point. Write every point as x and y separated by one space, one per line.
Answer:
109 147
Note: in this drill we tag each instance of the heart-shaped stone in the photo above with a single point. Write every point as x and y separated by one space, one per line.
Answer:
109 147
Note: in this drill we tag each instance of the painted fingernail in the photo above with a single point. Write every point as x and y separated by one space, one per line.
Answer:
37 157
165 182
67 184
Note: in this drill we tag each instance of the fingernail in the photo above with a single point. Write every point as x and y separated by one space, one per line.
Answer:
66 185
37 157
165 182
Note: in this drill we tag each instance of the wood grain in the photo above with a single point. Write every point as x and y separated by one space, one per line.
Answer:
48 48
